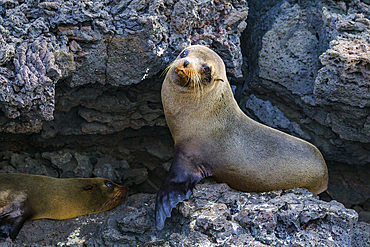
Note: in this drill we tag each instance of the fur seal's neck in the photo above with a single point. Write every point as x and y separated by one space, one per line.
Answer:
208 109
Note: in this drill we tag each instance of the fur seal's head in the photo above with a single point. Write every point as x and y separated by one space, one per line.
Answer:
197 68
102 193
81 196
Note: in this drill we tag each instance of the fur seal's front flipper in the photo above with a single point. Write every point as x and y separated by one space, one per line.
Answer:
12 221
177 187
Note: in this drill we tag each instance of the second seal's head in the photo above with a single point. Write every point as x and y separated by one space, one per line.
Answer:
196 68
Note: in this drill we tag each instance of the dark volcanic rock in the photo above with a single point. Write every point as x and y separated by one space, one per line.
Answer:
72 68
343 87
214 216
313 69
116 43
139 167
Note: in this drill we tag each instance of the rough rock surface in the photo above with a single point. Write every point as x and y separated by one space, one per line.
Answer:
141 167
66 67
107 42
313 67
214 216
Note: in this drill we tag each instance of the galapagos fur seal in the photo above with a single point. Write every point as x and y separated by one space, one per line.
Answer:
30 197
213 137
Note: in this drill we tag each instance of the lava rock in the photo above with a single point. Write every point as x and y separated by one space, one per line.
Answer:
117 44
313 66
214 216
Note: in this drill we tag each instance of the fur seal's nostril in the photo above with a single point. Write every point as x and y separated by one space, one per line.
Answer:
186 63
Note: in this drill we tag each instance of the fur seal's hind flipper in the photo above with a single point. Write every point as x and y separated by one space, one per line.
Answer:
11 222
176 188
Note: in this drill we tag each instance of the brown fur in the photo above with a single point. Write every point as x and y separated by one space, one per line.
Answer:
29 197
206 121
57 198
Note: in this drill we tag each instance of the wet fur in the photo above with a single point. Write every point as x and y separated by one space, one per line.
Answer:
213 137
28 197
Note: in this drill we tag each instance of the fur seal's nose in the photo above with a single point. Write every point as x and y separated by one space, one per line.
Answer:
186 63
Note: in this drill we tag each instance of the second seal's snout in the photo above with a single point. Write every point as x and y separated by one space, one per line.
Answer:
186 63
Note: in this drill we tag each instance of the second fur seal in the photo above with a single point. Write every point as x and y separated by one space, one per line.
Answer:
213 137
29 197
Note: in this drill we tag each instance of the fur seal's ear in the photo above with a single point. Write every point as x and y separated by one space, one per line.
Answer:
176 188
12 221
217 78
89 187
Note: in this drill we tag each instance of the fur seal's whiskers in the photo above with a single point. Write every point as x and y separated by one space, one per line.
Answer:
200 87
197 86
116 196
164 72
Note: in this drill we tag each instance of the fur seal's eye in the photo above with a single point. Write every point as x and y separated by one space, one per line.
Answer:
108 184
89 187
206 69
184 54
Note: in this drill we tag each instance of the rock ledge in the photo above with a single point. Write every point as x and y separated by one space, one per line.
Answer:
214 216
